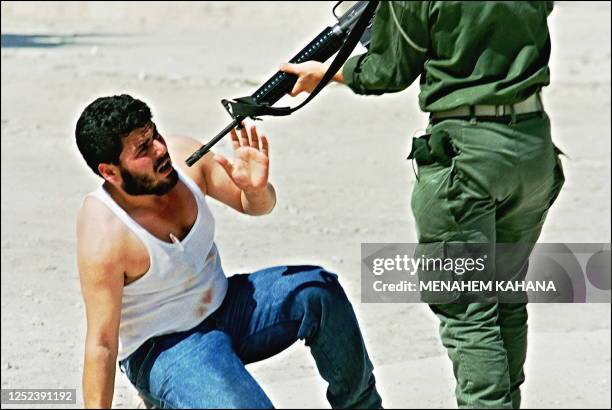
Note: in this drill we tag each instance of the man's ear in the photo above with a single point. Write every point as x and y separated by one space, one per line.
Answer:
110 173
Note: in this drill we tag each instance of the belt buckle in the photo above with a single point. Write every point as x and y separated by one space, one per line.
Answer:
500 110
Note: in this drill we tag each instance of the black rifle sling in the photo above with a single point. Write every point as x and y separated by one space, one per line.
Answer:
247 107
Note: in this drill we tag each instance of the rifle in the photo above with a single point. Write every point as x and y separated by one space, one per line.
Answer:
352 27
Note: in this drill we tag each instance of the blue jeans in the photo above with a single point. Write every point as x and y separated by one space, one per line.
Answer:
262 314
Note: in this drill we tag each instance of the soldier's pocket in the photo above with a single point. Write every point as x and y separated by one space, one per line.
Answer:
437 183
436 148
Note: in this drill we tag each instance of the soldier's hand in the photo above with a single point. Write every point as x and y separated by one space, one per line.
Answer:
309 75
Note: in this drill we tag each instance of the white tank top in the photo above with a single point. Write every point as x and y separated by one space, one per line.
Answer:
184 284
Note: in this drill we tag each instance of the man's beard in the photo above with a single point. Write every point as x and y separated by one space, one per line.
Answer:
145 185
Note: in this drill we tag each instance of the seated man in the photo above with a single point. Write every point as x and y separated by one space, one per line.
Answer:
156 296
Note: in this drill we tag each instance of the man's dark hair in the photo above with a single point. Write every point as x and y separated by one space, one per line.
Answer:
103 125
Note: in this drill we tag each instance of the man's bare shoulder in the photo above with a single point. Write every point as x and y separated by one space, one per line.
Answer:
101 235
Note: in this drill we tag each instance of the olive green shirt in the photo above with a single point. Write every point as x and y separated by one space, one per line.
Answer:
467 53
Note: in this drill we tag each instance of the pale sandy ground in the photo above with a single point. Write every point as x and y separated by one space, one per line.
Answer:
338 166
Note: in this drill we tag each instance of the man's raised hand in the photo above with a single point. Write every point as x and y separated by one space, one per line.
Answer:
250 166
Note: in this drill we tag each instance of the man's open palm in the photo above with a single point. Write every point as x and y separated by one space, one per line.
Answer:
249 169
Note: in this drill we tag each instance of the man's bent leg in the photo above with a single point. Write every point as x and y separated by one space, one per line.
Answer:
269 310
194 369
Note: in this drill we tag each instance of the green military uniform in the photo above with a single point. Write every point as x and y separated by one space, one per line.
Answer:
483 178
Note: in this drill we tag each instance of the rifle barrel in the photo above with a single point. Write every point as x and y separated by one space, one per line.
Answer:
205 148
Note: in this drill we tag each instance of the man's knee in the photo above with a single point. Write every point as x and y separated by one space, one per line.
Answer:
309 282
324 288
321 299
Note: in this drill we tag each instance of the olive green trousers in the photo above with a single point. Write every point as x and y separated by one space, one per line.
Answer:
486 182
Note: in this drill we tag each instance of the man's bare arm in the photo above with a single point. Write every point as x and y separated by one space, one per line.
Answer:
102 279
259 202
215 180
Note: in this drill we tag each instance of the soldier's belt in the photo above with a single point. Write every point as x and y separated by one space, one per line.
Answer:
530 105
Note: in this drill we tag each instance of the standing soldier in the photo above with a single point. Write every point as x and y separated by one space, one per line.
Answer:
488 170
